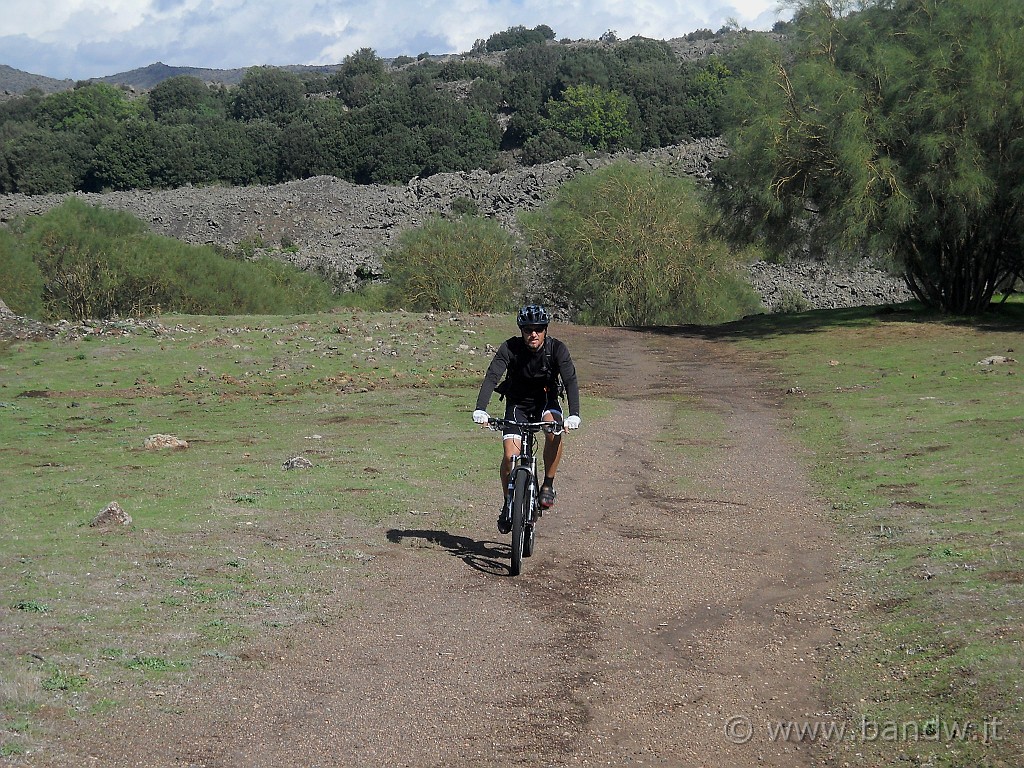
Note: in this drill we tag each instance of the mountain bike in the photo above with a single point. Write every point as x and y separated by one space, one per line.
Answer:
523 487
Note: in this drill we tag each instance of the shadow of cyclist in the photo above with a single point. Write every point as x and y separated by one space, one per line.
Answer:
485 556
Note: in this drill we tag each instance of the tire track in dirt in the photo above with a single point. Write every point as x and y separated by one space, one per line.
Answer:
720 595
647 618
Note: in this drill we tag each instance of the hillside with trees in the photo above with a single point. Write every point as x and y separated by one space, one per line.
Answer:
518 97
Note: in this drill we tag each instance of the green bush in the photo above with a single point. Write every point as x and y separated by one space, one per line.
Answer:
464 265
629 246
95 263
21 282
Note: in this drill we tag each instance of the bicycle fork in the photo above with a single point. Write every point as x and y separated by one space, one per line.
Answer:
519 466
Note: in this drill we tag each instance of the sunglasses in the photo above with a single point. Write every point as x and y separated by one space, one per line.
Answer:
534 328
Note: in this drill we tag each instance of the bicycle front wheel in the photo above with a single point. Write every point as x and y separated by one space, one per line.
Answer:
520 515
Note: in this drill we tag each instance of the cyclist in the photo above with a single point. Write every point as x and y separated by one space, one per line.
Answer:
534 362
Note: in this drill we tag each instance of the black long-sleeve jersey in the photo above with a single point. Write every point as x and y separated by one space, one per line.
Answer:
532 375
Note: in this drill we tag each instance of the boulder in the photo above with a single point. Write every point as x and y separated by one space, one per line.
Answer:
112 515
160 442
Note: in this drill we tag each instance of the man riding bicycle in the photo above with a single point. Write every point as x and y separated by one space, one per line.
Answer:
534 363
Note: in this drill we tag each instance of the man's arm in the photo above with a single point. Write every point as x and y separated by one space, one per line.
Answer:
494 373
567 370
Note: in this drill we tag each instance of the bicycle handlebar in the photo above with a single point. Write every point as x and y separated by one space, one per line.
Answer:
553 427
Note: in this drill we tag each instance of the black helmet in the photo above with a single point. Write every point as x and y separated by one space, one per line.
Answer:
533 314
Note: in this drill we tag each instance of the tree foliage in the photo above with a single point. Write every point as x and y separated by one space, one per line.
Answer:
629 246
519 37
359 77
593 117
895 130
183 97
268 93
370 121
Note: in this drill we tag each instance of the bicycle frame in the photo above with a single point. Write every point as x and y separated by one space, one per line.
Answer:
526 459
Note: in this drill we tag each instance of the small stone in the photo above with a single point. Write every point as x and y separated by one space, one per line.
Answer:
298 462
111 515
159 442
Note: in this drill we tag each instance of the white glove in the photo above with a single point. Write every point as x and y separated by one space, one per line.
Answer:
573 422
481 417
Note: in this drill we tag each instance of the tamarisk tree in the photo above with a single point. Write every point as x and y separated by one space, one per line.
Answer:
895 129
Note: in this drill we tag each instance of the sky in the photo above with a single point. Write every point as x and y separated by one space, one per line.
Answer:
80 39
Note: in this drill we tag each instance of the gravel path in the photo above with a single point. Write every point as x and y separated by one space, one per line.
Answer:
678 586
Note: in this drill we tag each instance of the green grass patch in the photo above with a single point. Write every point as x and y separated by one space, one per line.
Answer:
918 444
63 680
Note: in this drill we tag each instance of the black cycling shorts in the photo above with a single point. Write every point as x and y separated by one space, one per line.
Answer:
530 412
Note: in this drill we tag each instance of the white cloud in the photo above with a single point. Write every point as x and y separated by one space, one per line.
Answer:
92 38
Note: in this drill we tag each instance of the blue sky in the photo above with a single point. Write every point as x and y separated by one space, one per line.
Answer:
80 39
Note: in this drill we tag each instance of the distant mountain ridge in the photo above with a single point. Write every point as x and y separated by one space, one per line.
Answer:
145 78
15 82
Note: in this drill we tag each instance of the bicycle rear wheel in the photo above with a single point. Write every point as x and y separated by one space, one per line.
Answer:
520 514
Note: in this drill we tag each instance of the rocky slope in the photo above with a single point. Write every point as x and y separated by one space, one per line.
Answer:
341 230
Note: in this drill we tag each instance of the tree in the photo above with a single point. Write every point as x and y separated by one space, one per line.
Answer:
895 130
39 161
531 77
519 37
85 103
184 94
268 93
359 77
309 145
179 157
125 156
593 117
411 129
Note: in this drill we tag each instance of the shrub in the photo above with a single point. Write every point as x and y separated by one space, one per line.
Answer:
371 297
21 282
463 265
95 263
465 206
629 246
791 300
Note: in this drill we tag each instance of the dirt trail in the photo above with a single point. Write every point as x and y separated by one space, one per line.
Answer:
648 620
